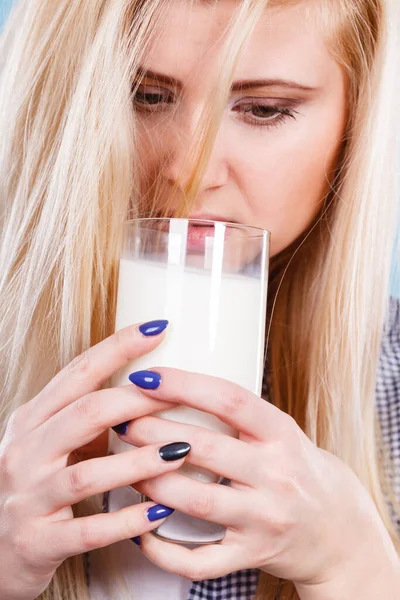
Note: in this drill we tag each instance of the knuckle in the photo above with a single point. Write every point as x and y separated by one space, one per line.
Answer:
277 524
17 419
122 340
79 368
233 401
132 521
14 511
282 525
289 428
201 505
142 430
135 521
204 446
87 535
294 445
77 480
185 384
88 408
11 461
287 485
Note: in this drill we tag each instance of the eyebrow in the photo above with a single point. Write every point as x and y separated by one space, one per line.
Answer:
237 86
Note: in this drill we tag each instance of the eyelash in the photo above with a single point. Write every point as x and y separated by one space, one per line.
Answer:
276 117
269 121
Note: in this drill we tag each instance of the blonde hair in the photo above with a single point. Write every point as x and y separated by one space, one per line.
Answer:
66 185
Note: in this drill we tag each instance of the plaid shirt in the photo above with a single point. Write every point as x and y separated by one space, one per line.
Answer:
242 585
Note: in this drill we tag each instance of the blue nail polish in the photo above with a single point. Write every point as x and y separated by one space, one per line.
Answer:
136 540
159 512
153 328
122 428
147 380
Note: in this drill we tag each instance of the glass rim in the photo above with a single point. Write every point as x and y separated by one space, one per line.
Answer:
261 232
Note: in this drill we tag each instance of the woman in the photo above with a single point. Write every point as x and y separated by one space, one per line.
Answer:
279 115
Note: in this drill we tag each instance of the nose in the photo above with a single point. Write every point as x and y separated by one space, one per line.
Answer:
178 162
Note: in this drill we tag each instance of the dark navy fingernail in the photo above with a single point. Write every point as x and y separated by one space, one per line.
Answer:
147 380
159 512
122 428
174 451
136 540
153 328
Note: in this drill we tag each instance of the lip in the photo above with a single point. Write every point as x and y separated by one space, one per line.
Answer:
202 229
197 234
211 217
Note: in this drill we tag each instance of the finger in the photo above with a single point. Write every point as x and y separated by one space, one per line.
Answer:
205 562
81 481
228 457
207 501
231 403
82 421
76 536
90 370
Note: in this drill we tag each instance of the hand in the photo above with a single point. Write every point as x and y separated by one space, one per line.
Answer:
38 485
293 510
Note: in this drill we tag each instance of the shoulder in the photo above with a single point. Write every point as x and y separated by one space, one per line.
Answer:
389 364
388 388
392 329
388 380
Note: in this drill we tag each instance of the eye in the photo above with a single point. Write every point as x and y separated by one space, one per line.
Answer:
151 98
264 115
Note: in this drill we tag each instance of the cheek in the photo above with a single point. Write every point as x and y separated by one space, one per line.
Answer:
284 185
147 170
149 151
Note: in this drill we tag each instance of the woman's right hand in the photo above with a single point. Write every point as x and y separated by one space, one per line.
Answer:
38 483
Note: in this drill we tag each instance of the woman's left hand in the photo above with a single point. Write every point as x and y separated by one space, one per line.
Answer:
293 510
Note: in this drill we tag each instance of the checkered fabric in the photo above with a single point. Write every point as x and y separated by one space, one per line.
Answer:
242 584
388 393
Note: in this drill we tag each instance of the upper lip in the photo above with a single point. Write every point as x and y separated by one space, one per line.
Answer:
210 217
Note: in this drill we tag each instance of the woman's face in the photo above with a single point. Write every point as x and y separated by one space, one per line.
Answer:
281 130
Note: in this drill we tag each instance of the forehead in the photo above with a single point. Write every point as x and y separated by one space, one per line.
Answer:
286 42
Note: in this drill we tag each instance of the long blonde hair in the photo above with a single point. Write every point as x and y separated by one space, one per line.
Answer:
67 148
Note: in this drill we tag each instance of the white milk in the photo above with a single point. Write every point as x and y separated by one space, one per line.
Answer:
216 328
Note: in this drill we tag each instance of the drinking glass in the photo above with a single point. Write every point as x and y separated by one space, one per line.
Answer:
209 280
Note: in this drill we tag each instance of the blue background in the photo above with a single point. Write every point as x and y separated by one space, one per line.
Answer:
5 6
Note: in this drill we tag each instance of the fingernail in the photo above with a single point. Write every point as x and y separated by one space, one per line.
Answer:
136 540
122 428
153 328
147 380
174 451
159 512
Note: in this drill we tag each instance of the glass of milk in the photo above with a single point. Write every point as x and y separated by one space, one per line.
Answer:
209 280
